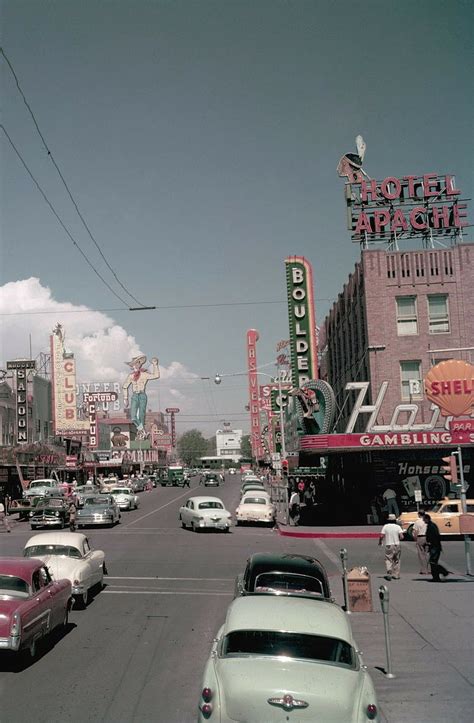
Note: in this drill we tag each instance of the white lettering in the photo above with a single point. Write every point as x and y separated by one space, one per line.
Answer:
297 275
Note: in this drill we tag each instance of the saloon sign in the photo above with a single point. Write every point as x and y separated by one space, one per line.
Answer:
21 367
302 322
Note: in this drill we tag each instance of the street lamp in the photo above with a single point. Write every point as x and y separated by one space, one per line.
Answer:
218 380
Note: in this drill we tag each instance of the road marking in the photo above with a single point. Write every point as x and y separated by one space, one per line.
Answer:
335 559
163 592
193 579
158 509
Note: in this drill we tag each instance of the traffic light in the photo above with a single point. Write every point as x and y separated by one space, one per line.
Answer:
284 467
450 469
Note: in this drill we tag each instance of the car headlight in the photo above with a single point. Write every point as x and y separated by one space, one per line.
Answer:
56 514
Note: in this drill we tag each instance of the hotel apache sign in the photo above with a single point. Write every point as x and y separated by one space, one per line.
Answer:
409 206
449 386
302 321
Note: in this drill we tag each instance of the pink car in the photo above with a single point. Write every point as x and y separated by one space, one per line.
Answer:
31 603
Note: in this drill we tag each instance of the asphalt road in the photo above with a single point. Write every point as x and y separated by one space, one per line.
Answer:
138 651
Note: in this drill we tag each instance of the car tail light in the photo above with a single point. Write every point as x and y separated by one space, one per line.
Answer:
371 711
206 709
206 694
16 625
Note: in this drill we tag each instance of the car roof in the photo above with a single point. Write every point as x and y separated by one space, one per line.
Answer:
71 539
22 567
204 498
289 614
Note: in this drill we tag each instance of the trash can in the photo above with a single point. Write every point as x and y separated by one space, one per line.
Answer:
360 590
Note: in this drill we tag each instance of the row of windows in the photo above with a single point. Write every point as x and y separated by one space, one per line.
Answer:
407 315
411 379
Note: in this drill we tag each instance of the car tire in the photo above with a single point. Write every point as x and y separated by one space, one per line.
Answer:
65 619
33 649
193 527
83 599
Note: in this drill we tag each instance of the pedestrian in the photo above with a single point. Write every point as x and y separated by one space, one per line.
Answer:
4 518
419 535
72 516
390 497
294 505
391 534
300 486
186 480
433 540
308 495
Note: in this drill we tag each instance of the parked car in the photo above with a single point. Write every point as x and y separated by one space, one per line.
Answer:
284 574
53 512
252 487
69 555
255 507
98 510
42 487
32 604
205 512
274 659
125 498
445 514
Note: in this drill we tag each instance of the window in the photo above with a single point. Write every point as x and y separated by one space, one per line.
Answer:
407 322
410 372
438 314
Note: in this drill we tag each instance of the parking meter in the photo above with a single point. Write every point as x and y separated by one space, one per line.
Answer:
384 596
343 556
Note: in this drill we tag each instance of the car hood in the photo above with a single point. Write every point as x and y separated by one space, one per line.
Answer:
246 684
62 567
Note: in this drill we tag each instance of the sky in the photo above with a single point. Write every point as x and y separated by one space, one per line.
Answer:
200 141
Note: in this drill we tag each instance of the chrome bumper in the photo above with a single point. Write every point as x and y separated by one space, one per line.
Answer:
10 643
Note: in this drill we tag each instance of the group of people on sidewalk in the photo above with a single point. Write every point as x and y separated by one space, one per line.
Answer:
428 546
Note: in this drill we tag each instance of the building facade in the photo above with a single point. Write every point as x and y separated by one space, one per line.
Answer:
228 443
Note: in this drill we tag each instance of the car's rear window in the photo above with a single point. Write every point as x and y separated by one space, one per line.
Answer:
290 583
255 501
40 550
95 501
211 506
276 643
12 586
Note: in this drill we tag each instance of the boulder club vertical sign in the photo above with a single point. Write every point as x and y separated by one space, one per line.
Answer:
255 431
302 320
21 367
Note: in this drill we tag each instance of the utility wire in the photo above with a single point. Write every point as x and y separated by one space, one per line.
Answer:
2 127
53 160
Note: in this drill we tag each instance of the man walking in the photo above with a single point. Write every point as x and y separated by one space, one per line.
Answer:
294 505
419 535
390 535
390 497
4 517
433 540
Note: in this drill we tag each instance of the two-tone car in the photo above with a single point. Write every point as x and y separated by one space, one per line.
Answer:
32 604
52 512
98 510
284 574
70 555
255 506
42 488
201 513
445 514
125 498
279 658
82 491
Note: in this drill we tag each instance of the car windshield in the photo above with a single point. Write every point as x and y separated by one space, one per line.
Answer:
120 491
12 586
255 501
276 643
40 483
95 501
40 550
211 505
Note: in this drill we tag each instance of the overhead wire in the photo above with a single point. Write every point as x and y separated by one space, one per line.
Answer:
61 222
61 176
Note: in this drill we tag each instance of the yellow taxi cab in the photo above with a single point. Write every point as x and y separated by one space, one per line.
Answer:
445 514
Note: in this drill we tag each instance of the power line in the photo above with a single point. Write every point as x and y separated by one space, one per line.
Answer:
58 217
55 164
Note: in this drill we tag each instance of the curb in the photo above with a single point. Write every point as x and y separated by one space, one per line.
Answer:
329 535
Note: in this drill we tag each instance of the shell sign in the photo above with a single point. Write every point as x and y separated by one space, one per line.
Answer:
450 385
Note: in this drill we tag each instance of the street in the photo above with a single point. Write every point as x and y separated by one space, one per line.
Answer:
138 651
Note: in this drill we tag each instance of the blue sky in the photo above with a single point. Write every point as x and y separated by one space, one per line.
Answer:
200 140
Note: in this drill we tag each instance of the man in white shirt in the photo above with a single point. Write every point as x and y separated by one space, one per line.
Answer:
390 497
294 505
419 535
390 535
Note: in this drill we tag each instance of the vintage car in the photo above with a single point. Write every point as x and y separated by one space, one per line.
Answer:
98 510
211 479
24 506
274 659
201 513
283 574
232 470
445 514
69 555
252 485
43 487
32 604
83 491
52 512
255 507
125 498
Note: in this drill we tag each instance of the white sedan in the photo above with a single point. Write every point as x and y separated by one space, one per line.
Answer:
276 659
69 555
125 498
205 512
255 507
